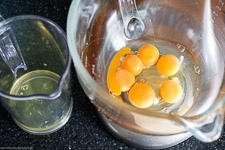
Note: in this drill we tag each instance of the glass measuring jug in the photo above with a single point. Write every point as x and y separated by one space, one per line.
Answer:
193 29
39 98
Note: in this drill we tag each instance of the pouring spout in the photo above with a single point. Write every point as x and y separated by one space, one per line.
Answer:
208 126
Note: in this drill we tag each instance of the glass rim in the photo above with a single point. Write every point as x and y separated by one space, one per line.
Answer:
66 68
102 95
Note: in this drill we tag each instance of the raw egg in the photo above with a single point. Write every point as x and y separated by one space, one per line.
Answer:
133 64
113 86
125 79
171 91
141 95
168 65
148 54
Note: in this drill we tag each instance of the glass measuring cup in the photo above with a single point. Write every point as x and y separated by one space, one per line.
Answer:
193 29
39 98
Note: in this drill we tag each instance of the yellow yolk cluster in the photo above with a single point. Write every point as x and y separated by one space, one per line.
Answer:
113 86
125 66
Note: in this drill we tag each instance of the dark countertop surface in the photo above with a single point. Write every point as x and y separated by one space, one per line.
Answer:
83 130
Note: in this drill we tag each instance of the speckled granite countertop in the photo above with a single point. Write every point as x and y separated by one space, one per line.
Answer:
83 130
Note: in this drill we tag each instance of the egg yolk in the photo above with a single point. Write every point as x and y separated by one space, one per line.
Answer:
148 54
141 95
132 64
113 86
171 91
125 79
168 65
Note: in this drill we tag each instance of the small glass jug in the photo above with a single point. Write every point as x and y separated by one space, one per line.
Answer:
38 97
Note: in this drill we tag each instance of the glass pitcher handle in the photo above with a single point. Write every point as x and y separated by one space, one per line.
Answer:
133 25
9 49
